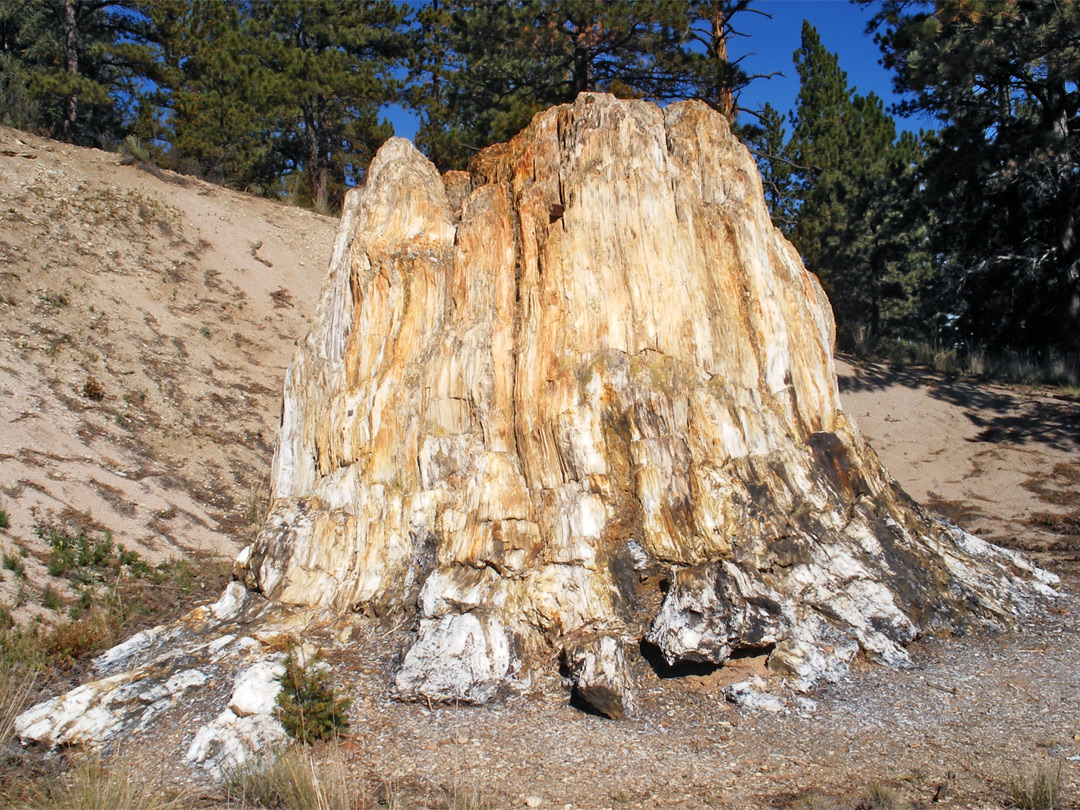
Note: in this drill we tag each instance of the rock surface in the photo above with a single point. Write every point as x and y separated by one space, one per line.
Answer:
586 396
574 407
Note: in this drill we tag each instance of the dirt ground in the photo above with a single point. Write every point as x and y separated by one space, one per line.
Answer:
147 322
1002 461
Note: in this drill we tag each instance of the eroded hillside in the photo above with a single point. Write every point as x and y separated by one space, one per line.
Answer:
147 321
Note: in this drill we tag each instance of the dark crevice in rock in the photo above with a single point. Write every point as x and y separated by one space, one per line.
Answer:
683 668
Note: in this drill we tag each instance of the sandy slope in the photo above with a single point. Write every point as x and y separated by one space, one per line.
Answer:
178 302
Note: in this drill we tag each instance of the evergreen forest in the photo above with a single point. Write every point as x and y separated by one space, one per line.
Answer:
965 236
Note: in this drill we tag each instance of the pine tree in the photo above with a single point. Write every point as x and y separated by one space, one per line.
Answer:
327 67
1001 184
766 141
708 73
217 122
432 68
853 226
276 97
492 65
17 33
77 61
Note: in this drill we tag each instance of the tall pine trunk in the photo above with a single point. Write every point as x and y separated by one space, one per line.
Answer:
718 51
71 63
584 73
317 170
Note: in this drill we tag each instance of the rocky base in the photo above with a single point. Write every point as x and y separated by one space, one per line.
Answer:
227 658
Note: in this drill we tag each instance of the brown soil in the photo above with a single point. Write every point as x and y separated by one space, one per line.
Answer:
1003 461
148 323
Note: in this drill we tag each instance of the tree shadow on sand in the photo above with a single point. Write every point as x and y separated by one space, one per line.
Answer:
1003 415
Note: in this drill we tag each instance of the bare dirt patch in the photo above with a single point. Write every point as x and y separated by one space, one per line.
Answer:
1000 460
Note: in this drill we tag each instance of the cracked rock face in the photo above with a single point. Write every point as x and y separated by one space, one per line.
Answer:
574 407
584 396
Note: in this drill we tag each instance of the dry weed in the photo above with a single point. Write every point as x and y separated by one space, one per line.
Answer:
95 784
294 780
1040 791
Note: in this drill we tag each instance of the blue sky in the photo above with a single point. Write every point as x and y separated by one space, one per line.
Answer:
771 42
768 47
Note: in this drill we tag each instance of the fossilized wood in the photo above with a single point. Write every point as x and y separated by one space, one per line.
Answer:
534 394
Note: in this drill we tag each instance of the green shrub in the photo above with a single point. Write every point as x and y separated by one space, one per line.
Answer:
13 562
76 555
308 706
83 603
50 598
133 151
178 573
4 520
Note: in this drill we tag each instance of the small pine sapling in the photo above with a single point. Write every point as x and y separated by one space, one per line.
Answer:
307 705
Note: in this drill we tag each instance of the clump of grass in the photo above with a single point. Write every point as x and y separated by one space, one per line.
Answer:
56 300
876 797
113 586
815 801
13 562
135 152
75 555
469 800
5 521
292 780
881 797
1040 790
91 784
16 690
308 706
50 598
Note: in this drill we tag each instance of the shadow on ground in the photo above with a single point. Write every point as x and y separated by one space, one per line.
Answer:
1003 415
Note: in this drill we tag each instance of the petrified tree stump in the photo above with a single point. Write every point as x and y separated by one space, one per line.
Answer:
583 396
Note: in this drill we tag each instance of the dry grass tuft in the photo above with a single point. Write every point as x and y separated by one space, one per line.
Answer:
95 784
294 780
17 689
880 797
1040 791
